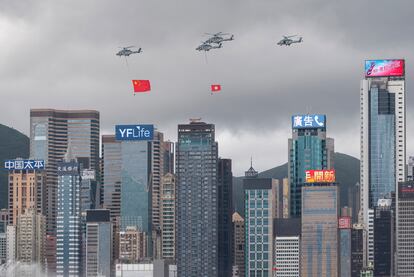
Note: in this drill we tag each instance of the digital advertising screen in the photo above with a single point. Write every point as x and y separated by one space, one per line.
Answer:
384 68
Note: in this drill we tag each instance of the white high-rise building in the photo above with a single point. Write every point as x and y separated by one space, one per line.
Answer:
383 151
11 243
287 256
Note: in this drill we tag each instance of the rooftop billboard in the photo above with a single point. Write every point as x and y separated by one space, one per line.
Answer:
320 176
384 68
134 132
308 121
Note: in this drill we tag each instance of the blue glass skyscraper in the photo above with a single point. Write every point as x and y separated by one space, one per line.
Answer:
309 149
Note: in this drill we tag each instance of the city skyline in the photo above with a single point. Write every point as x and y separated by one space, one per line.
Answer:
75 68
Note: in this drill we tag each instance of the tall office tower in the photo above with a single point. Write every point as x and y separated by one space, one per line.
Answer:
197 200
260 209
286 198
384 249
319 231
410 169
168 216
31 238
405 229
133 245
162 162
382 112
51 132
68 245
369 243
309 148
98 243
111 175
238 245
345 245
287 233
132 171
26 188
354 201
11 243
357 249
225 211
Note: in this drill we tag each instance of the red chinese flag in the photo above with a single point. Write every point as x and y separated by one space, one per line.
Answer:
141 85
215 88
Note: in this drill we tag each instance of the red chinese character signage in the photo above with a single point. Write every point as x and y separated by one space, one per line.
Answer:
344 222
320 176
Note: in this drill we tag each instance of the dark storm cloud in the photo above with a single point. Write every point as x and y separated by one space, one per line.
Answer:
61 54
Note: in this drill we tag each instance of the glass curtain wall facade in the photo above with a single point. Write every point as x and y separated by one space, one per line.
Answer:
309 149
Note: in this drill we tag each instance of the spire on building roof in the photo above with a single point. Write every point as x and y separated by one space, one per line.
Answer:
251 173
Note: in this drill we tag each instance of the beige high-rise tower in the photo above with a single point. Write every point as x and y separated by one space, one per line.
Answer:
26 191
30 237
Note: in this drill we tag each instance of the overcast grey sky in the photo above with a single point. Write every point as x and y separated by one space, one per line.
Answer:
61 54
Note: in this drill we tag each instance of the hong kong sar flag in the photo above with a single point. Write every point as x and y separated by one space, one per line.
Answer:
141 85
215 88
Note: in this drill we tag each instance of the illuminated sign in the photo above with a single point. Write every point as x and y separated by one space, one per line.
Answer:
24 164
384 68
134 132
67 168
320 176
88 174
308 121
344 222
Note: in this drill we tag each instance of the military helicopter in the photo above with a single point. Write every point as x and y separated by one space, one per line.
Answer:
287 40
207 47
125 51
218 38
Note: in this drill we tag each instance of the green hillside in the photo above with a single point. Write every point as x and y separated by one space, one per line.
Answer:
347 174
13 144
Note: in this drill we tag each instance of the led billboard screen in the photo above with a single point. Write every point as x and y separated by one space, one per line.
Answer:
320 176
384 68
308 121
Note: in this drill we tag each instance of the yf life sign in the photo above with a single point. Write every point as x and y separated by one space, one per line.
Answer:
134 132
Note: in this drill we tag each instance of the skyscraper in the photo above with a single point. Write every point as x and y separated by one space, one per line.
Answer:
197 200
51 131
168 216
225 210
309 148
357 249
260 210
238 245
384 249
287 232
410 169
31 238
132 172
319 231
382 112
345 241
98 243
26 188
405 230
68 245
